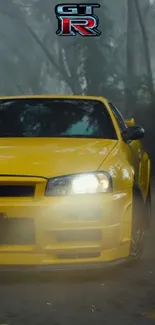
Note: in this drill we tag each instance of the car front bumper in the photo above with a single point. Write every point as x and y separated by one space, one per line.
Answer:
96 266
65 233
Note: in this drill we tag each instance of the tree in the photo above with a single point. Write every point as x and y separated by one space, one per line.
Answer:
85 65
130 62
146 50
21 67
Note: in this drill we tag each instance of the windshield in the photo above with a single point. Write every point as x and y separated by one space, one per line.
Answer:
55 118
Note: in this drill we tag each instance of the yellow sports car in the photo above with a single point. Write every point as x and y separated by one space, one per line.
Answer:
74 183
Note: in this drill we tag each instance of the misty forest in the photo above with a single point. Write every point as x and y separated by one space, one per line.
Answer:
119 64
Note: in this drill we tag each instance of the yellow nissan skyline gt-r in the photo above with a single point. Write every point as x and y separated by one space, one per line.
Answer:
74 183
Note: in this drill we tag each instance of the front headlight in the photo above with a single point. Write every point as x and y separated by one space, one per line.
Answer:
86 183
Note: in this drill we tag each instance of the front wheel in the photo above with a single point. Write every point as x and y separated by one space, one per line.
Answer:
138 226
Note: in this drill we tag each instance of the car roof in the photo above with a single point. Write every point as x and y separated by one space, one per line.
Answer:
52 96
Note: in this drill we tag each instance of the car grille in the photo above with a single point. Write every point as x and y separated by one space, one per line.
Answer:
17 190
15 231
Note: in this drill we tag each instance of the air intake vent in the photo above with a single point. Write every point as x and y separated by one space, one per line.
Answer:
16 231
80 255
17 190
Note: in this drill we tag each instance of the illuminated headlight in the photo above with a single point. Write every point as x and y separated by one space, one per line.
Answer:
86 183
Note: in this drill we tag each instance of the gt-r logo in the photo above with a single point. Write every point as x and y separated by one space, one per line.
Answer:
76 19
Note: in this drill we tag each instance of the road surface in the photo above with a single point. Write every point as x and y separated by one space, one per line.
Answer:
124 295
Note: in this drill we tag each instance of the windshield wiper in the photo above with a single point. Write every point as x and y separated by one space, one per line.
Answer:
76 136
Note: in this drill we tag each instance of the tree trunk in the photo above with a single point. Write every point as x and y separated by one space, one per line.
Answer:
146 50
130 62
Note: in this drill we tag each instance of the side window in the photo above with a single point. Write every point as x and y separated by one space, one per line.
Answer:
119 118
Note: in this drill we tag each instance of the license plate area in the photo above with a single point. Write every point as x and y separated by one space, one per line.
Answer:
79 236
16 231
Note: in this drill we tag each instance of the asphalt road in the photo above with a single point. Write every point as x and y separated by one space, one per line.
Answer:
123 295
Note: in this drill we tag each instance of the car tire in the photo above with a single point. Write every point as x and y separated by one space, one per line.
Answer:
138 226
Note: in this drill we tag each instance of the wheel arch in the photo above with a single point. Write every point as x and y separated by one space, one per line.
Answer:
137 190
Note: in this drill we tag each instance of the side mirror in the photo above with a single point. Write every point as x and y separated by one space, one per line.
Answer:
135 132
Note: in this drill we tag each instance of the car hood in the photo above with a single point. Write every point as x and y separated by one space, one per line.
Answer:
52 157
